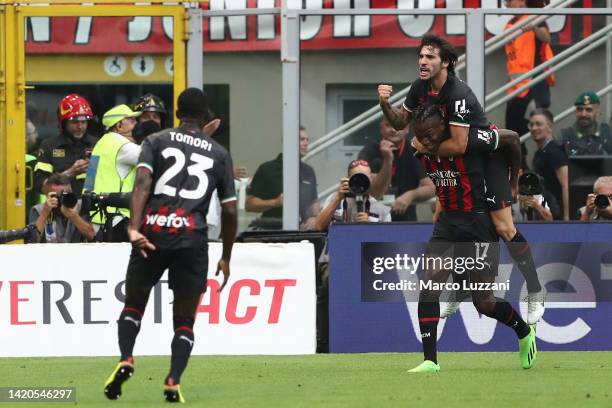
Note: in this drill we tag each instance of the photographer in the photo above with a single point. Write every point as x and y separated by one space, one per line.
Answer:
351 203
57 219
599 203
531 203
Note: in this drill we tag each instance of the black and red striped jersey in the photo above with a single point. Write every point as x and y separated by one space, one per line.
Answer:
187 168
460 180
456 100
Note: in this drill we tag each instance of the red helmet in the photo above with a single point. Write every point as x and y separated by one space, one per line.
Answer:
74 107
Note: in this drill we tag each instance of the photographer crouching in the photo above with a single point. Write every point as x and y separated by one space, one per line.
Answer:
57 219
351 203
599 203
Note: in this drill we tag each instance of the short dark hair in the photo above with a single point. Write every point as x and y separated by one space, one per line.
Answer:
448 53
58 179
193 103
544 112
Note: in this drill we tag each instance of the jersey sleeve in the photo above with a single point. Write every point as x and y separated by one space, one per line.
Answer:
482 140
412 99
147 154
463 108
225 185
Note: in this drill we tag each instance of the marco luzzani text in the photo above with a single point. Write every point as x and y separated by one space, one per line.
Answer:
404 263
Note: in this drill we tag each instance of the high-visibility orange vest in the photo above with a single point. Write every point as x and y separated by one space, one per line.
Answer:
520 55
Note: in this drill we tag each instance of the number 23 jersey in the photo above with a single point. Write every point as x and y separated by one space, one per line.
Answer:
187 166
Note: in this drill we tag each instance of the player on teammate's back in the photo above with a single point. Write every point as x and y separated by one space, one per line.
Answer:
437 84
178 171
465 228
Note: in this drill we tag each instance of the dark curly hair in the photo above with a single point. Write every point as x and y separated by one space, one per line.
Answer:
448 53
427 111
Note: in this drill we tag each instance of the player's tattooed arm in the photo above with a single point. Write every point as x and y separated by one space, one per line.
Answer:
397 117
509 145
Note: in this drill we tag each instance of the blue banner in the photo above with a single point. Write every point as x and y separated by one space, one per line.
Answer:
573 260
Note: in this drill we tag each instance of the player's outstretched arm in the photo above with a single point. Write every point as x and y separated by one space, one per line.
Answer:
229 221
456 144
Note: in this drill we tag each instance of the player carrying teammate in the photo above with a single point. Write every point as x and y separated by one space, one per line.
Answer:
464 227
437 84
177 173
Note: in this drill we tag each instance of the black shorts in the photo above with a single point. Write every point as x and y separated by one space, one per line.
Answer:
187 269
466 235
497 182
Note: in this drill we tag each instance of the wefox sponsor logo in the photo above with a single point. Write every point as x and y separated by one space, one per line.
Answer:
171 220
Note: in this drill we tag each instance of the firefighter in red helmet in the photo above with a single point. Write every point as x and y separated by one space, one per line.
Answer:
68 153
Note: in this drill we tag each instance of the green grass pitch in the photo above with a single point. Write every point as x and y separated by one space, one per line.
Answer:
559 379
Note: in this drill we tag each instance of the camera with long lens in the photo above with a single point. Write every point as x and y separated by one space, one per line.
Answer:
601 201
529 184
28 234
359 184
67 199
106 205
97 202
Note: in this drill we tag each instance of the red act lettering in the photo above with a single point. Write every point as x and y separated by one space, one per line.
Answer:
247 291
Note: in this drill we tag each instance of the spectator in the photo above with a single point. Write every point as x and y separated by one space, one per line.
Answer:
113 167
596 208
265 193
395 170
525 52
31 137
550 162
153 118
586 136
213 218
341 207
32 196
69 152
57 219
530 205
